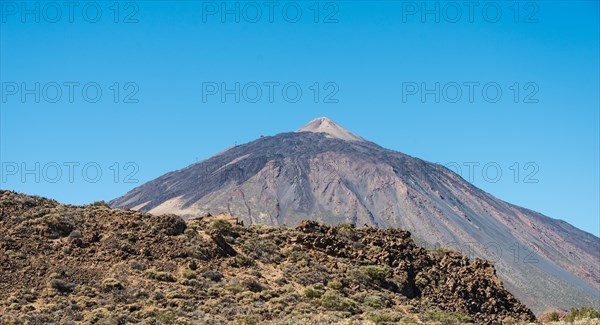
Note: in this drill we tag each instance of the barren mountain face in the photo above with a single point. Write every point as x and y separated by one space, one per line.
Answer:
324 173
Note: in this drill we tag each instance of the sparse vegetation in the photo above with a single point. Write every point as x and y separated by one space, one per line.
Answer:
440 251
582 313
247 320
165 317
235 288
421 281
379 318
94 265
112 284
241 261
373 302
347 232
447 317
259 227
220 225
100 204
212 275
554 316
190 232
311 292
13 254
335 284
160 276
368 275
262 249
188 274
333 300
203 252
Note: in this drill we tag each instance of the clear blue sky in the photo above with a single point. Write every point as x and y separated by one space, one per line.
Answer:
372 52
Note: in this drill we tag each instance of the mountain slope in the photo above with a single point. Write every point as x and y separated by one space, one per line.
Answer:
61 264
327 174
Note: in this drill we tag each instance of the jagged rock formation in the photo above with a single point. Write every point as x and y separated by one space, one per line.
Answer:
325 173
93 264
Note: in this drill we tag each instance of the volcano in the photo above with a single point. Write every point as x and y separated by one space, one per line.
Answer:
325 173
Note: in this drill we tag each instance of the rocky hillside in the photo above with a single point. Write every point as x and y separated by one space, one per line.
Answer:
63 264
324 173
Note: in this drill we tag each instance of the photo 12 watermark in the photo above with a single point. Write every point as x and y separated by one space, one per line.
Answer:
71 172
70 92
91 12
323 173
470 92
252 12
493 172
491 251
470 12
270 92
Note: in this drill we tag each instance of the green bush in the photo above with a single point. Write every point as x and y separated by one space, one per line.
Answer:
553 316
258 226
296 255
190 232
440 251
381 318
161 276
447 317
262 249
332 300
12 254
582 313
374 250
368 275
241 261
373 302
235 288
188 274
127 248
312 293
335 284
203 252
421 281
165 317
220 225
100 204
347 232
374 272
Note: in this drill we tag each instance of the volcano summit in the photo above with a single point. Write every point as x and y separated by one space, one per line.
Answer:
325 173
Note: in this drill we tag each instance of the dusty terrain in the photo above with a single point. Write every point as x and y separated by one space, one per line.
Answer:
63 264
